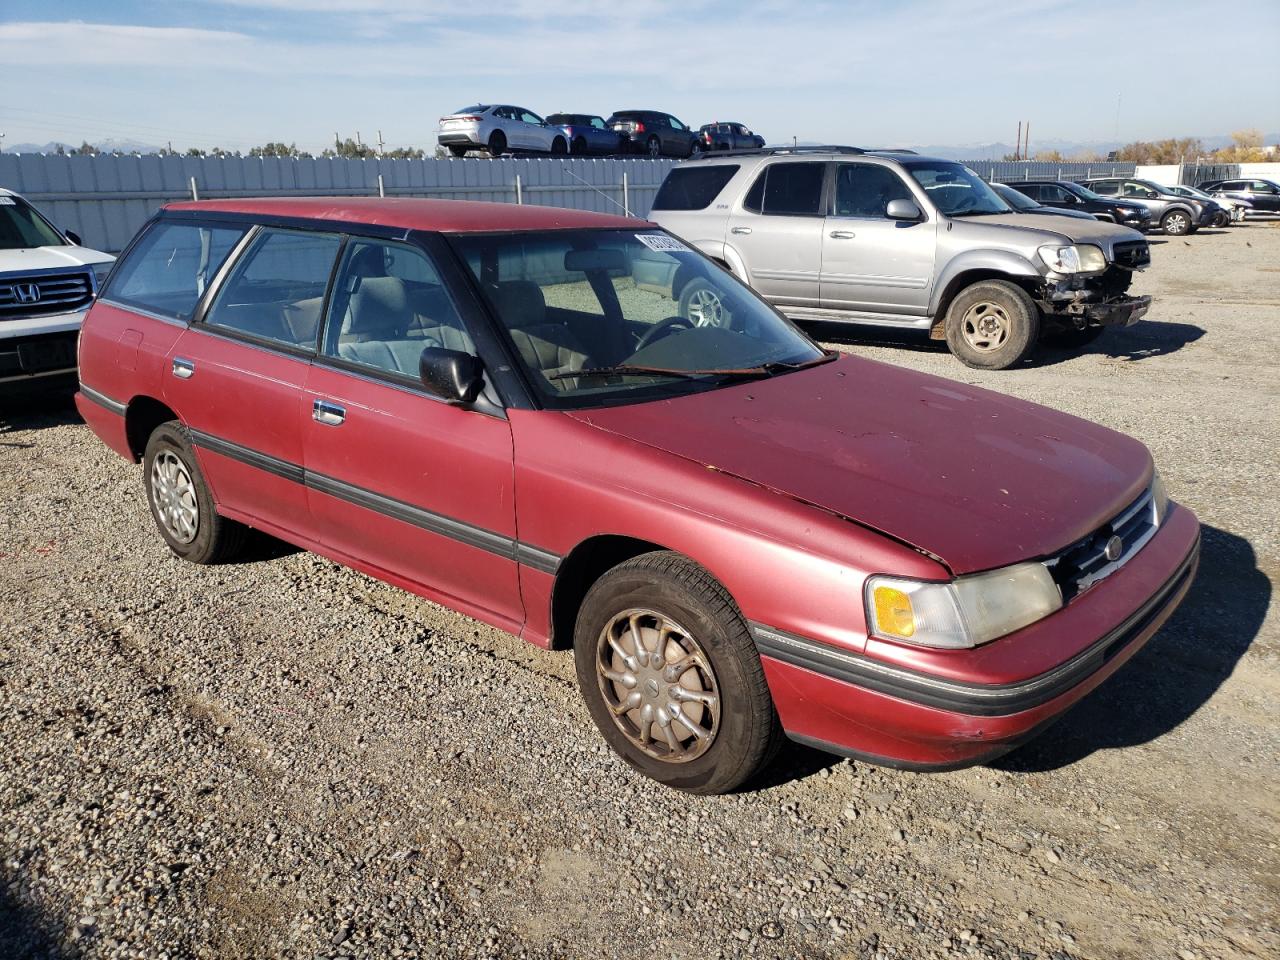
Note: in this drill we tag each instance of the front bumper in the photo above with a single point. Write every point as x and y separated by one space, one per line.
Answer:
864 706
38 347
1116 313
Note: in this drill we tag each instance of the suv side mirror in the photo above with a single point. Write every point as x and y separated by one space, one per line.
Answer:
903 210
451 374
73 237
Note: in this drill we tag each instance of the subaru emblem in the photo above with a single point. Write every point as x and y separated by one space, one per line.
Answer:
1115 547
26 292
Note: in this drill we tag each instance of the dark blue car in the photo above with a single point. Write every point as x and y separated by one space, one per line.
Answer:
587 133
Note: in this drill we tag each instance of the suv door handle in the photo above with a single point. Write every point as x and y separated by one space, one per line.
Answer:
330 414
842 234
743 230
183 369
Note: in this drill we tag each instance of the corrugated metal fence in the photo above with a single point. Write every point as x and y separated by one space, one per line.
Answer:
106 199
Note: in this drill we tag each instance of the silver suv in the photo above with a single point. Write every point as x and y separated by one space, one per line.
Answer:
892 239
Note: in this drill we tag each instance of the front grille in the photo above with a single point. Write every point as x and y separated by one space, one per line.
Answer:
1086 562
1132 255
37 294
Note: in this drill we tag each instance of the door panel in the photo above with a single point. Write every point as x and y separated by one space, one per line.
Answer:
779 234
871 263
415 487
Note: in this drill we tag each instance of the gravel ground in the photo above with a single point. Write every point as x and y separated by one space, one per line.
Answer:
282 758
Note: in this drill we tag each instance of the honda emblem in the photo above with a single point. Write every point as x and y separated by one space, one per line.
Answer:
27 292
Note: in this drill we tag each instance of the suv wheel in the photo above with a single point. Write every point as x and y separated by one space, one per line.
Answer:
671 676
181 503
653 147
702 305
1175 223
992 325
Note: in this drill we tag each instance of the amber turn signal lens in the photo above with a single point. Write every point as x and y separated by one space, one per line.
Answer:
893 612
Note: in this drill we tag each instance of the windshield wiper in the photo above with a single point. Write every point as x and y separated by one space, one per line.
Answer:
744 373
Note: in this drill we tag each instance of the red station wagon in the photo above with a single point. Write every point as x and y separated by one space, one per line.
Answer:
516 412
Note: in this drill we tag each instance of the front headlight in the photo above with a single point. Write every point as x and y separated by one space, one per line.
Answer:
1159 498
1080 258
966 612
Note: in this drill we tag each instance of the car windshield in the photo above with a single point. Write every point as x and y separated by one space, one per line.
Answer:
956 190
21 226
1019 201
1081 191
619 316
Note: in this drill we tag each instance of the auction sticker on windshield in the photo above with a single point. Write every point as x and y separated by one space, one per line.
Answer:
662 244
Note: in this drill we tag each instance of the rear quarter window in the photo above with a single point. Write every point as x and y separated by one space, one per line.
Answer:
168 270
693 188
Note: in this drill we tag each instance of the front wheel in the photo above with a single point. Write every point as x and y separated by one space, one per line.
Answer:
671 677
702 304
181 503
992 325
558 147
654 147
1175 223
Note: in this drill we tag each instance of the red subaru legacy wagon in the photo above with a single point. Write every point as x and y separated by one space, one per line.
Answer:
575 428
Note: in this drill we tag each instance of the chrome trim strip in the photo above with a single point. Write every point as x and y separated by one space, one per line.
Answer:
969 698
102 400
140 311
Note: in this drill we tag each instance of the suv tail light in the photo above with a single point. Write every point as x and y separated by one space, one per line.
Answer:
638 127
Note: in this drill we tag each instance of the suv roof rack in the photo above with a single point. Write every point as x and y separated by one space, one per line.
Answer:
765 151
894 150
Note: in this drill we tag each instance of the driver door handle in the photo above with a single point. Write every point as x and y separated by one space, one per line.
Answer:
742 230
842 234
330 414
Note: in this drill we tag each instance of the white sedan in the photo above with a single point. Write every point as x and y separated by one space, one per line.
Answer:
499 129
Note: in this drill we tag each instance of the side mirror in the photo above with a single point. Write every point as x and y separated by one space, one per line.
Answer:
451 374
903 210
73 237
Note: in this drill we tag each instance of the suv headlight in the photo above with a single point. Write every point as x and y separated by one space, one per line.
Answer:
1079 258
966 612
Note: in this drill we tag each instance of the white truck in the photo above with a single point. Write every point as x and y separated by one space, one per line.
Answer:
47 282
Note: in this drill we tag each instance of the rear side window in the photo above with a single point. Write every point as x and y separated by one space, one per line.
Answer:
1106 187
276 291
168 270
788 189
693 187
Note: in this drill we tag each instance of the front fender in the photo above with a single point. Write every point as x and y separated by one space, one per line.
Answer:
979 262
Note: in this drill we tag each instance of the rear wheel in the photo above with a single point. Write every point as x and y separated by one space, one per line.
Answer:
458 151
653 146
992 325
695 148
181 503
1175 223
558 147
702 305
497 143
671 676
579 145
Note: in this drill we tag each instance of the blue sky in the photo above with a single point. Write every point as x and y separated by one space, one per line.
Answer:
236 73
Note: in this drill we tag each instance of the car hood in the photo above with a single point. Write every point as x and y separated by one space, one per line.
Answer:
976 479
1061 230
31 259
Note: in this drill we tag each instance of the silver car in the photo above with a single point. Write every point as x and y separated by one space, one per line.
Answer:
1233 210
499 129
898 240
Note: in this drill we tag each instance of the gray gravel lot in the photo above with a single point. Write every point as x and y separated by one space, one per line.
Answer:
282 758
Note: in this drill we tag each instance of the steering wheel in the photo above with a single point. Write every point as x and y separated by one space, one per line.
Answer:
662 329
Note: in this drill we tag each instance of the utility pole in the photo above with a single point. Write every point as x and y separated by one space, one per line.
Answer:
1 143
1017 144
1026 150
379 143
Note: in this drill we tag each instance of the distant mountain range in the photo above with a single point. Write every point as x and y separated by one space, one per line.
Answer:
948 151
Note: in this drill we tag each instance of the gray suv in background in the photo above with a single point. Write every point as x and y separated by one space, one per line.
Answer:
899 240
1176 215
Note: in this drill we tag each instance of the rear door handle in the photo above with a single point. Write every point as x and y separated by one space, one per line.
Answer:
743 230
842 234
330 414
183 369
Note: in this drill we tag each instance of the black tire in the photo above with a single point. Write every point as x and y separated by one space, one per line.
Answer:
1176 223
748 733
558 147
458 151
1073 337
695 148
216 539
653 147
497 143
992 301
579 146
1222 219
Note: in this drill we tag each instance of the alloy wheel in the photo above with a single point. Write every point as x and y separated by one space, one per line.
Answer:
658 685
986 326
706 309
174 497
